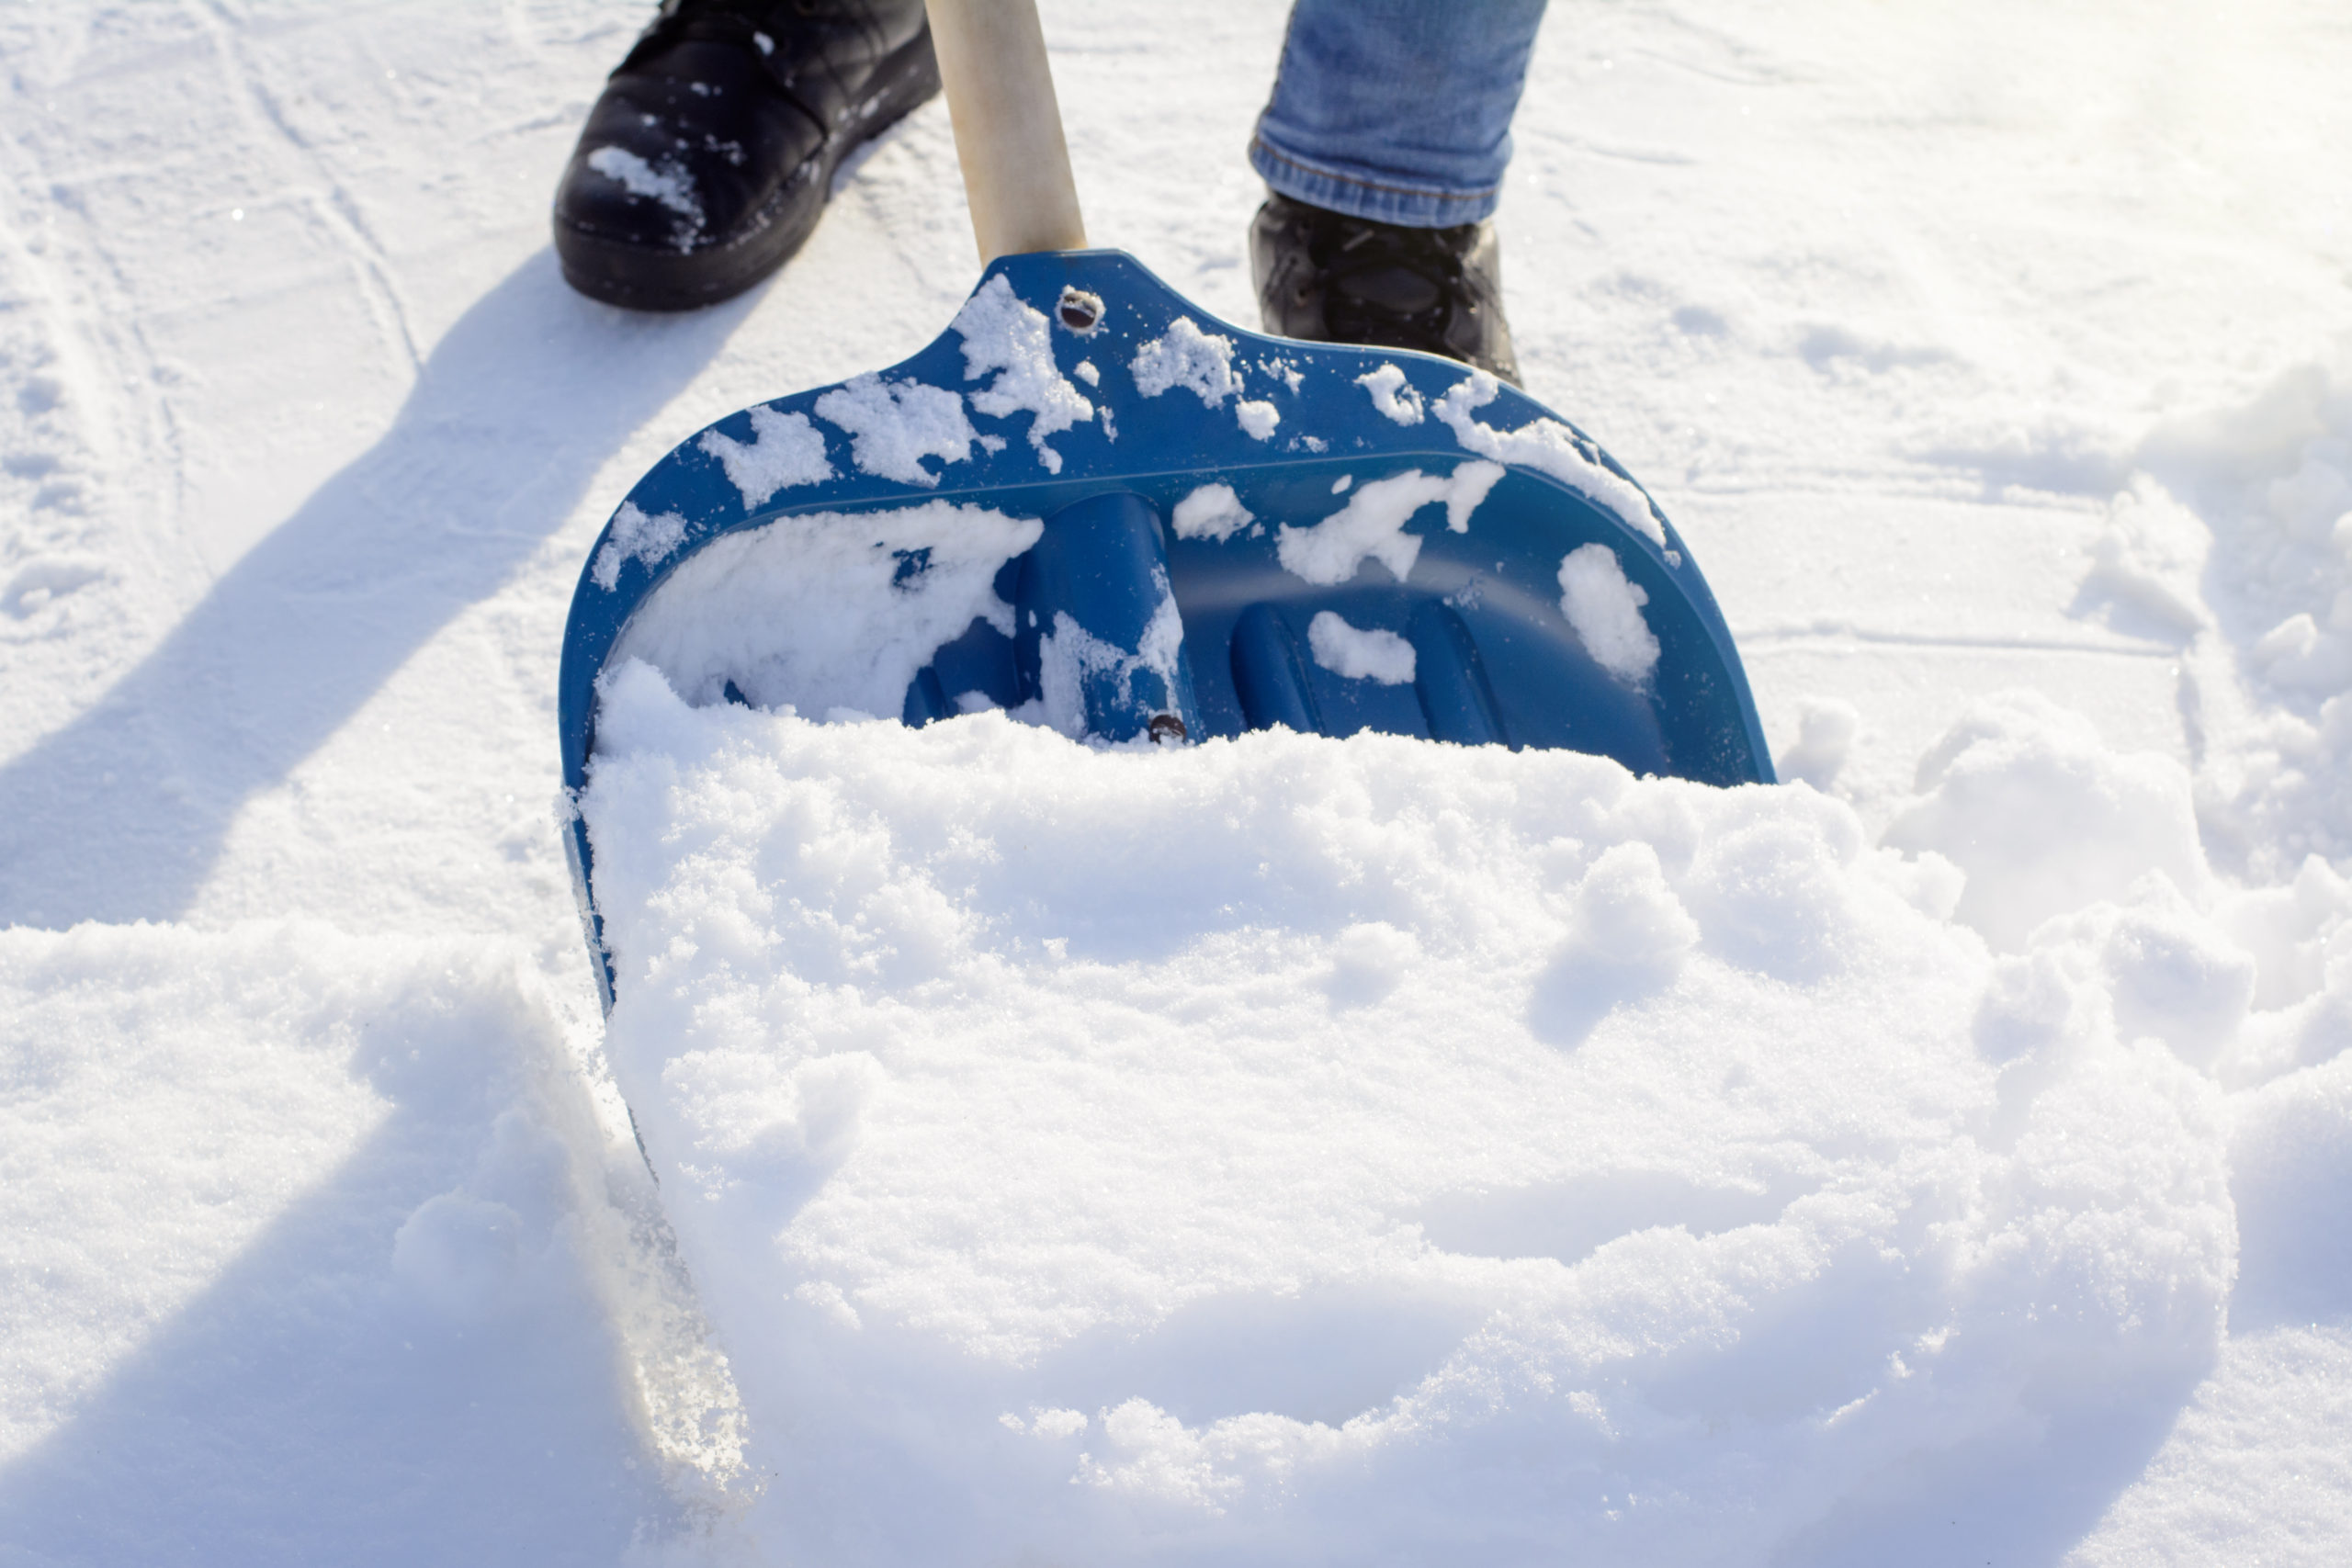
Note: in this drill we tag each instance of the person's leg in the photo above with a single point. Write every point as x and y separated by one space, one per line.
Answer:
1384 145
1396 110
710 153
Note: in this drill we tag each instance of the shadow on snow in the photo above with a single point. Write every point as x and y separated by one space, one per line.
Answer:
120 815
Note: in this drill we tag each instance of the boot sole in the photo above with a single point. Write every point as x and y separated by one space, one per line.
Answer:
641 279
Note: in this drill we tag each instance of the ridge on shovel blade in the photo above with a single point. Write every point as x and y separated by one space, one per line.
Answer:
1091 505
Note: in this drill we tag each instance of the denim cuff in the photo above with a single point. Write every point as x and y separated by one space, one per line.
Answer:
1367 193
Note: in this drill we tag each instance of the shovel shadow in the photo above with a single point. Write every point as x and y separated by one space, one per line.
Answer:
120 814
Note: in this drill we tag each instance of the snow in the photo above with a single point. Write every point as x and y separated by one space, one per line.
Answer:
1392 394
786 450
1210 512
292 1212
1003 335
2044 819
1545 445
1993 388
667 184
1068 654
1605 612
893 426
1359 653
1184 356
639 537
1562 1113
827 610
1372 523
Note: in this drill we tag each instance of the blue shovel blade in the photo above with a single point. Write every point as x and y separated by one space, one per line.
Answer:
1224 532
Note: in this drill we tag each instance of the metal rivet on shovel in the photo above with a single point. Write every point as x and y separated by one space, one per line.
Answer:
1167 729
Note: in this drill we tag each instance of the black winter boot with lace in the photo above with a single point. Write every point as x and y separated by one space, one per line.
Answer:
707 159
1328 277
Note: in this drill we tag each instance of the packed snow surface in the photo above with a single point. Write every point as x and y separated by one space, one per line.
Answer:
1985 359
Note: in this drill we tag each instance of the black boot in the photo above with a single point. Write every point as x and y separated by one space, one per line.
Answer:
709 156
1328 277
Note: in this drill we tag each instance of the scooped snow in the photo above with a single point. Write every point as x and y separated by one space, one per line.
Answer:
1549 446
1260 1147
1372 522
1359 653
1210 512
893 425
1257 418
1606 611
786 450
829 610
1003 334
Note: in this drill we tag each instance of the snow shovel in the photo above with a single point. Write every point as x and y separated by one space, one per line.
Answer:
1098 507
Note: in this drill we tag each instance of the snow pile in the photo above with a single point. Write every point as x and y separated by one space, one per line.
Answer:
1288 1145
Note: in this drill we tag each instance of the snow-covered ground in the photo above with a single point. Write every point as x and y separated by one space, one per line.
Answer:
1993 360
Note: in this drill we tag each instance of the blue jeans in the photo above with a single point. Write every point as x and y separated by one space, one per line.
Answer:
1396 110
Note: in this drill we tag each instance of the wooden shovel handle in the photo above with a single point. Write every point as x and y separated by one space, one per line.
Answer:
1008 127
